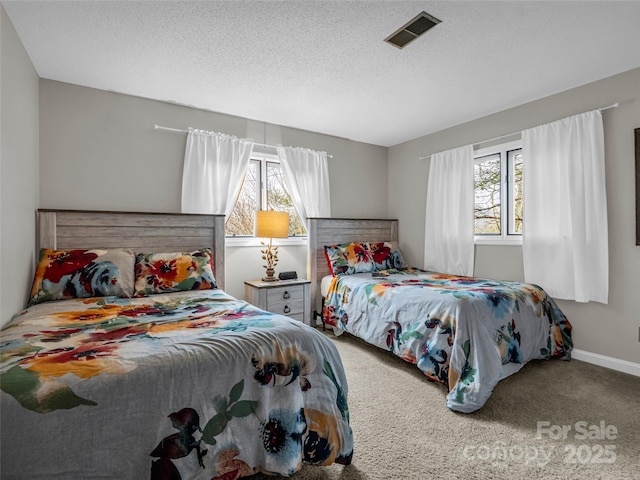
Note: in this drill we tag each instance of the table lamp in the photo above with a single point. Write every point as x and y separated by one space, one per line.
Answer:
271 224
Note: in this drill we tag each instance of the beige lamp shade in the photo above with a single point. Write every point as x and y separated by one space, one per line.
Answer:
272 224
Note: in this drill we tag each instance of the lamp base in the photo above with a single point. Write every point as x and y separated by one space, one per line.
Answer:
270 276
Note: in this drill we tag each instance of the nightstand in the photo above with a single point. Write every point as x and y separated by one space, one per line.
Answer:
287 297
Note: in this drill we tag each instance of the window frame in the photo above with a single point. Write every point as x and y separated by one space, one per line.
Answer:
262 158
506 190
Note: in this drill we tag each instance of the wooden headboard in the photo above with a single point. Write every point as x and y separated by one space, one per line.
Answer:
328 231
142 232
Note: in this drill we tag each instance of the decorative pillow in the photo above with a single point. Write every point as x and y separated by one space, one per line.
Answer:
349 258
173 272
64 274
386 255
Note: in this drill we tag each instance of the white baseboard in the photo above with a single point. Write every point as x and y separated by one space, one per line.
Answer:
608 362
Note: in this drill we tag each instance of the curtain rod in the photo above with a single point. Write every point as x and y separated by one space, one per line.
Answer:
613 105
179 130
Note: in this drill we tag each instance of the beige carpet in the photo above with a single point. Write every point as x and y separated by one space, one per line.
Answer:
403 429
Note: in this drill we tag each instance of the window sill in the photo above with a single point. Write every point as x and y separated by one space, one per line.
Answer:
517 241
259 242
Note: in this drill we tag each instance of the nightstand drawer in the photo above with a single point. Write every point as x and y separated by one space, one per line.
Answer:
288 294
286 307
287 300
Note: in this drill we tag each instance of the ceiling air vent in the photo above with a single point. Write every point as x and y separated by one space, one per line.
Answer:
412 30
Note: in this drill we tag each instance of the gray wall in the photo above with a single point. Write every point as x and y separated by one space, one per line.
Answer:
99 150
610 330
18 170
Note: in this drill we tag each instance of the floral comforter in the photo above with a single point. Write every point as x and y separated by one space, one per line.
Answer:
189 385
467 333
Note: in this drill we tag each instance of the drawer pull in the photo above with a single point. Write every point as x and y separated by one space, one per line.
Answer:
286 295
286 309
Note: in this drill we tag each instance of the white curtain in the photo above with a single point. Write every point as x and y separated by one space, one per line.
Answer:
306 174
449 230
565 233
214 167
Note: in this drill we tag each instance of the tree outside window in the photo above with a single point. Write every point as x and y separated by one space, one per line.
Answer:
263 188
487 195
498 193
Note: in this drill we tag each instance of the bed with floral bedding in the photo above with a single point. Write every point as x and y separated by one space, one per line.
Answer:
466 333
131 365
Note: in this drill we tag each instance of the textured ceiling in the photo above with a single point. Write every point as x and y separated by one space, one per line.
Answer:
323 65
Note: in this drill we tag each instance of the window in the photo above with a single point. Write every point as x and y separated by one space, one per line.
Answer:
263 188
498 194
